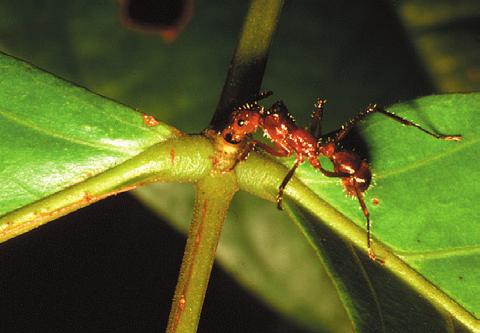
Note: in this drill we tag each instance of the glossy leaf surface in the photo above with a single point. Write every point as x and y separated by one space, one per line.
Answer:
54 134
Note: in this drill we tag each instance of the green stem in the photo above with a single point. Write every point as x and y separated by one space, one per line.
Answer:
184 159
244 78
214 194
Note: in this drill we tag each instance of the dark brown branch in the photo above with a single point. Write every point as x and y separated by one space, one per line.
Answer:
244 78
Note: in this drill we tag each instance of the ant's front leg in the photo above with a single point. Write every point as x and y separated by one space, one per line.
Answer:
243 156
279 151
275 151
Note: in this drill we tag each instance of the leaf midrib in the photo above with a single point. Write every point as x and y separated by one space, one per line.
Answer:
396 171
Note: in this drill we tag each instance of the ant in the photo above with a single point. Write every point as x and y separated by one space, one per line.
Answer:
308 145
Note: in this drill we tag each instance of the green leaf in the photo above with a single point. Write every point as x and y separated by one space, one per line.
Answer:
424 225
55 135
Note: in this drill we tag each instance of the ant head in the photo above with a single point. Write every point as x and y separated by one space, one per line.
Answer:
243 121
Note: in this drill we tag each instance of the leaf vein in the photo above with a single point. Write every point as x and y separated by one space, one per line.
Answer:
443 253
9 116
408 167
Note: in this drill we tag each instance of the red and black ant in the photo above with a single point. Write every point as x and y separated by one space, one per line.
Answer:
279 126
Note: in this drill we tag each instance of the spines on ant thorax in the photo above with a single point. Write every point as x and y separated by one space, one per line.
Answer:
246 106
280 109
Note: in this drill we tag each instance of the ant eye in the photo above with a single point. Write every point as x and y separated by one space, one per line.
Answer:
240 122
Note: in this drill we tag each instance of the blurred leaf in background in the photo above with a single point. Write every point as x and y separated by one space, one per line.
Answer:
350 52
446 36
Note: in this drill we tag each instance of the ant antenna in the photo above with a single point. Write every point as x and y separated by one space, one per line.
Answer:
258 97
262 95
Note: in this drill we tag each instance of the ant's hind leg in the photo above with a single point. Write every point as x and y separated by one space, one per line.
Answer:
366 213
317 117
372 108
410 123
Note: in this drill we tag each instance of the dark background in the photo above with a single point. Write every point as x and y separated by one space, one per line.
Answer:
112 267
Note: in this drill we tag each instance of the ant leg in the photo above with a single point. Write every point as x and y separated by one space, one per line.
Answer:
366 213
316 164
262 95
285 182
250 145
372 108
279 152
333 173
317 116
275 151
254 143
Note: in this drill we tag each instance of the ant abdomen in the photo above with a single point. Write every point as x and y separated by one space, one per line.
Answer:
359 181
350 163
346 162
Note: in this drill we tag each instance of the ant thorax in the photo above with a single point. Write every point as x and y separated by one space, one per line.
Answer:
277 128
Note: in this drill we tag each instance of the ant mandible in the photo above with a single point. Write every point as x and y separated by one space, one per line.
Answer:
279 127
